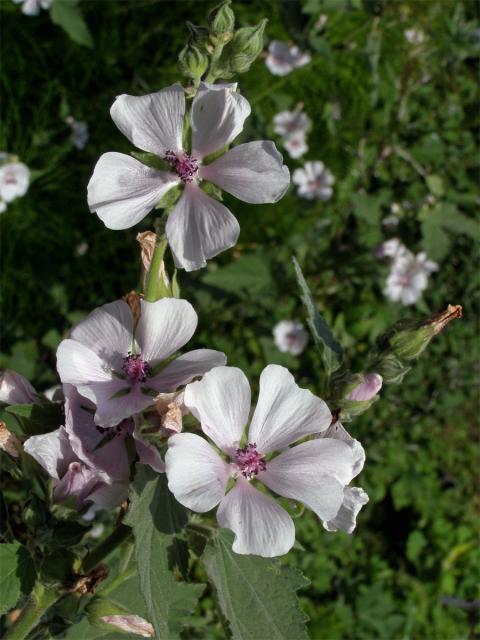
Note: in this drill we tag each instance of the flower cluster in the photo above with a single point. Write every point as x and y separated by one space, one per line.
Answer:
409 273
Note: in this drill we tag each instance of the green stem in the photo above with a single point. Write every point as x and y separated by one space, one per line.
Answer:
102 550
38 602
212 72
154 287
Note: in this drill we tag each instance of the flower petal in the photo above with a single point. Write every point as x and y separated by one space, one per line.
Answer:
314 472
164 327
253 172
148 453
261 526
123 191
52 451
199 228
197 476
218 114
77 365
153 122
221 401
285 412
346 519
338 432
108 332
186 367
16 389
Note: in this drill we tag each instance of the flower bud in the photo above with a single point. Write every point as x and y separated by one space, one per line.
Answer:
221 20
246 45
200 37
368 389
192 62
148 244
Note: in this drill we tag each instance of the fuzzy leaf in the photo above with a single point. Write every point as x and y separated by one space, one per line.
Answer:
66 14
257 595
17 574
34 419
332 352
156 518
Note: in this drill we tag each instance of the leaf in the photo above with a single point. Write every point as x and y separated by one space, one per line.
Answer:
256 595
444 217
17 574
332 352
248 275
66 14
34 419
156 518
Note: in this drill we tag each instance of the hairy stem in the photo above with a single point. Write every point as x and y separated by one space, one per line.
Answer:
102 550
38 602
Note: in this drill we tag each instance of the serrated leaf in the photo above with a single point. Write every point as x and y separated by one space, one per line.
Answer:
35 419
332 352
258 596
67 14
17 574
156 518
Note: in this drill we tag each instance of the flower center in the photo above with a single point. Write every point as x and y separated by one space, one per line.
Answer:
185 166
135 368
250 461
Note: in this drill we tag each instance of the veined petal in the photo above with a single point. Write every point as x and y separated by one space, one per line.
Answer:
77 364
261 526
108 332
338 432
16 389
221 401
52 451
153 122
285 412
123 191
199 228
253 172
164 327
186 367
218 114
148 453
314 472
197 476
346 519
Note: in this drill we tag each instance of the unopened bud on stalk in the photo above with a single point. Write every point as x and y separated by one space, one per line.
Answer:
133 300
192 62
407 340
221 20
246 46
368 389
356 393
200 37
8 442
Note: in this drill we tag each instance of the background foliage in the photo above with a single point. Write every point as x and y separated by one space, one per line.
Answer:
394 122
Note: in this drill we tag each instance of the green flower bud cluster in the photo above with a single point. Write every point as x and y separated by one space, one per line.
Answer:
220 51
406 341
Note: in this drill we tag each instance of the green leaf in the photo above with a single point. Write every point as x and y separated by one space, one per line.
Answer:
249 275
66 14
257 595
151 160
17 574
443 218
332 352
435 184
156 518
34 419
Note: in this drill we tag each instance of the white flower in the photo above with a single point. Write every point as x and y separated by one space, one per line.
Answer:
314 181
14 180
315 472
414 36
16 389
81 249
408 277
287 123
123 191
393 248
32 7
283 58
296 145
80 133
290 337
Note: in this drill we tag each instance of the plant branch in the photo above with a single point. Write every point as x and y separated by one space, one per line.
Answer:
105 548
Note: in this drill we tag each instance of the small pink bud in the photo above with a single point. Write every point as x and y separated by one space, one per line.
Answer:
132 624
368 389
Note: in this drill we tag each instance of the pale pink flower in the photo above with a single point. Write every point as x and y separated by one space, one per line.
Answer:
121 370
408 277
287 123
283 58
14 180
392 249
132 624
16 389
314 472
290 337
296 145
123 191
32 7
314 181
414 36
80 133
368 389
